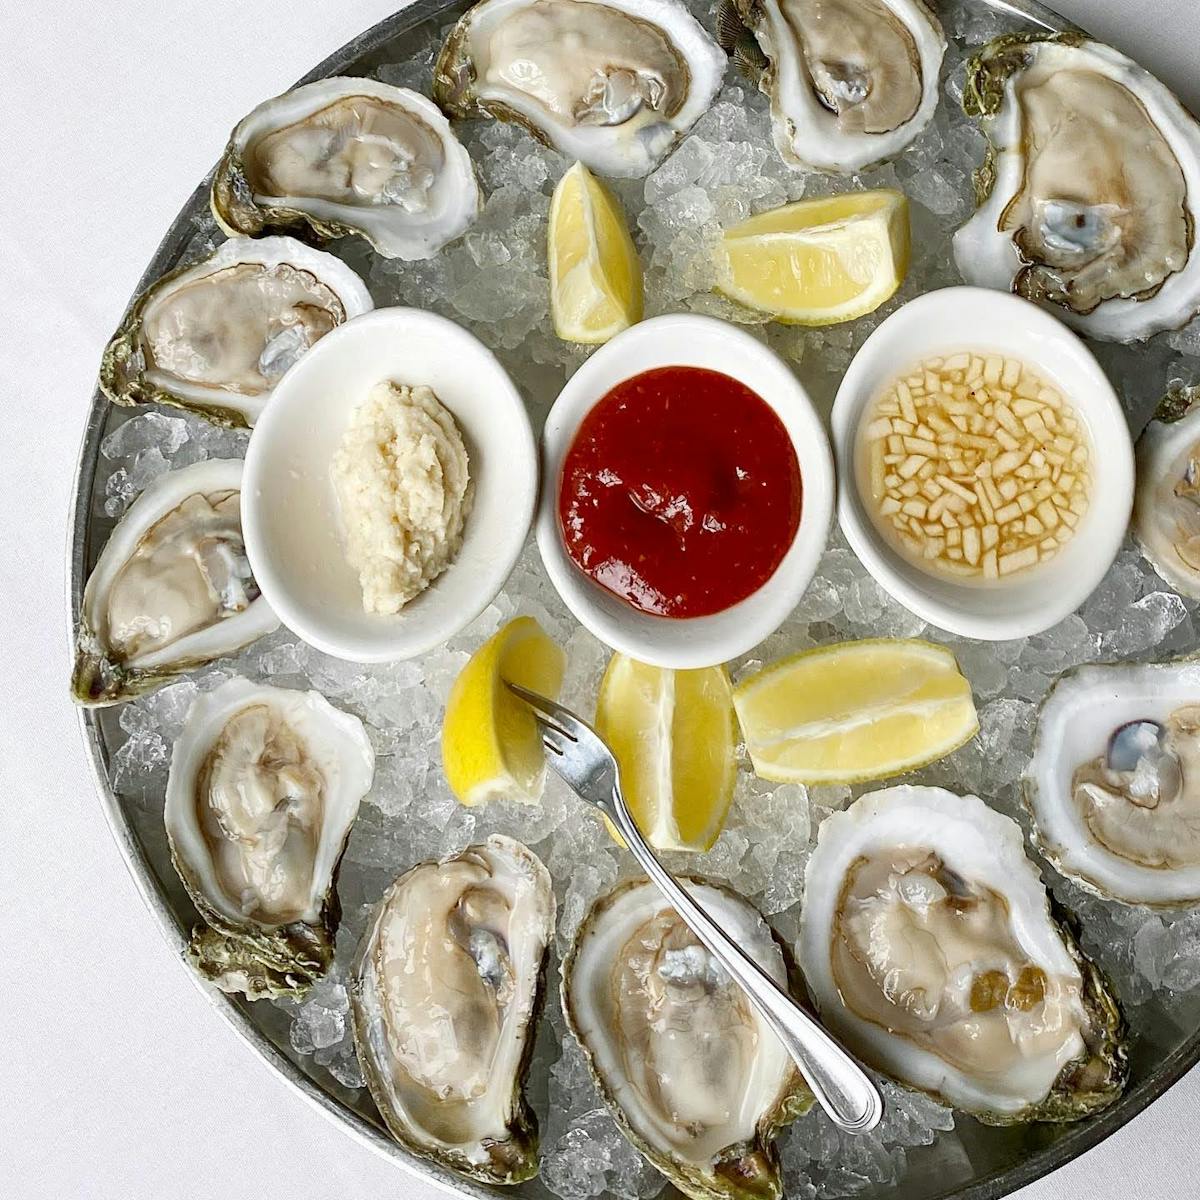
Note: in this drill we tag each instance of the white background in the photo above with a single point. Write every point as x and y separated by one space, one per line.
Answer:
118 1078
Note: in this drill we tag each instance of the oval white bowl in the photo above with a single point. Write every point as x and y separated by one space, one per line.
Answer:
289 510
682 339
967 318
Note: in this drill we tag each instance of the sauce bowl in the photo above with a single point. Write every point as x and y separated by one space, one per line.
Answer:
289 509
985 321
683 339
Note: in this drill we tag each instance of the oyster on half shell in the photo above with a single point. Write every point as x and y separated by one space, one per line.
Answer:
1114 781
445 996
1166 506
613 83
348 156
172 588
265 784
928 944
1088 199
851 82
215 337
695 1079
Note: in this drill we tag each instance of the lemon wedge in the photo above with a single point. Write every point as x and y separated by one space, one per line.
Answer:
595 275
818 262
490 742
855 711
674 735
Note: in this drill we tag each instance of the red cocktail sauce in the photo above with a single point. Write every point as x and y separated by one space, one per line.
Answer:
680 493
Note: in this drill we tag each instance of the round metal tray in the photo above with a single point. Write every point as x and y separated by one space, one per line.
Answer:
985 1163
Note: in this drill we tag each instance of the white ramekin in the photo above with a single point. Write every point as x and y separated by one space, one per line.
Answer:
289 511
966 318
685 340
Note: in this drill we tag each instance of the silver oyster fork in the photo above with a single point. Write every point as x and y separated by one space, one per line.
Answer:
577 753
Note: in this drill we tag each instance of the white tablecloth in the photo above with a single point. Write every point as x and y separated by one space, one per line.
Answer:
118 1078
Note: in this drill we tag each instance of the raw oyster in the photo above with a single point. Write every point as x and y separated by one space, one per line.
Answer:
172 588
851 82
265 784
613 83
695 1079
349 156
928 944
1088 197
447 988
1166 507
1114 782
216 336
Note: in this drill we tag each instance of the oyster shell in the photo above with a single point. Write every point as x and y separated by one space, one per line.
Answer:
348 156
1166 507
1087 201
216 336
172 588
265 784
851 82
695 1079
1114 781
447 988
928 944
613 83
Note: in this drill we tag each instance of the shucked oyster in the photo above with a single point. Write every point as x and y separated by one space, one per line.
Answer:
695 1079
215 337
447 988
345 156
172 588
1114 782
1166 507
851 82
1088 198
928 944
613 83
265 784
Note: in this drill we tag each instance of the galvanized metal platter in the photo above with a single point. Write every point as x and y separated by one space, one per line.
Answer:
987 1162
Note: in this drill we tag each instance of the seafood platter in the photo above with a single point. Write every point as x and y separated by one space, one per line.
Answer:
804 393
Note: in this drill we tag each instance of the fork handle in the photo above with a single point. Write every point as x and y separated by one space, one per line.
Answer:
840 1085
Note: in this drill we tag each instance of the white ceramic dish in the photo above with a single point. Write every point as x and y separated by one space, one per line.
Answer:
289 511
685 340
965 318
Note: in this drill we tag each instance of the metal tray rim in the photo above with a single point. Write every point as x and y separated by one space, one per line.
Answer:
994 1186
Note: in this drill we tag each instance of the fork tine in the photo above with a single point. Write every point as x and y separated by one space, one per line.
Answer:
552 734
547 714
533 699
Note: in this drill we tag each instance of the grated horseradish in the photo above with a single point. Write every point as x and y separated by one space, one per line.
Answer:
975 466
404 491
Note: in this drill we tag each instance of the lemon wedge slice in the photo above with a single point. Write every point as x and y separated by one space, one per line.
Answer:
818 262
490 742
855 711
674 735
595 275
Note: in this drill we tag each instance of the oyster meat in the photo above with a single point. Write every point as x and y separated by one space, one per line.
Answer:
851 82
695 1079
1087 201
447 988
349 156
613 83
172 588
265 784
1166 507
1114 781
928 944
215 337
